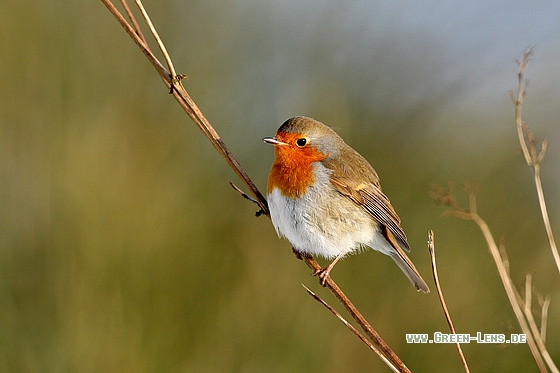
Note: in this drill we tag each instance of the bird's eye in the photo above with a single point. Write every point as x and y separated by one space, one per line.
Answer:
301 142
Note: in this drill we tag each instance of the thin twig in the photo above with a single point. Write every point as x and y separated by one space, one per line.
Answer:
157 38
529 147
432 250
521 308
247 197
503 255
528 293
352 329
544 213
133 20
165 75
187 103
544 318
243 194
526 322
509 288
534 159
521 91
536 335
535 331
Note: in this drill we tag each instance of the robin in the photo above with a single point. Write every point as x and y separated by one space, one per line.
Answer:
325 198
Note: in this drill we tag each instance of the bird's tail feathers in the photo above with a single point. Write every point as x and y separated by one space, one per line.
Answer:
409 270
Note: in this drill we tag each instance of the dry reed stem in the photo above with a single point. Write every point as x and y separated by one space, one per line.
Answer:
133 20
189 106
526 321
528 144
432 250
157 38
535 331
544 317
173 82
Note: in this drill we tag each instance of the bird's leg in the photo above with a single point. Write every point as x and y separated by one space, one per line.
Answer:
324 273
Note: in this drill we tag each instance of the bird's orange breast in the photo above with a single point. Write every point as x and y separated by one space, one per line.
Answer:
292 171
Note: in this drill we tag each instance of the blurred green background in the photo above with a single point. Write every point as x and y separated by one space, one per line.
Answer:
124 249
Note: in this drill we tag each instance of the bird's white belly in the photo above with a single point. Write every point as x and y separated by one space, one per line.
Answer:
323 223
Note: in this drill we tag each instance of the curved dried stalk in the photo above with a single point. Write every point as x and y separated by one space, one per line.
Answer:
189 106
432 250
133 20
157 38
173 82
528 144
526 321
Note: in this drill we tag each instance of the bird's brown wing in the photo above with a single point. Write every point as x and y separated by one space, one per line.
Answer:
369 196
360 184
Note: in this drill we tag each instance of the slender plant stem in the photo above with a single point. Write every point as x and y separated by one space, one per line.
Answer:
133 20
522 308
535 331
534 342
518 101
529 148
165 75
432 250
534 160
544 318
188 104
157 38
544 213
509 288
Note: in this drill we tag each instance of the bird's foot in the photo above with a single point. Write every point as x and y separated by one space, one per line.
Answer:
323 274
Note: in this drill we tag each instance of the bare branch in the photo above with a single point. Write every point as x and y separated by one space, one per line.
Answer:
521 92
157 38
544 318
529 147
133 20
503 254
191 109
528 293
432 250
526 321
247 197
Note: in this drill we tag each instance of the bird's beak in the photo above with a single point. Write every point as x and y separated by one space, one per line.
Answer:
273 141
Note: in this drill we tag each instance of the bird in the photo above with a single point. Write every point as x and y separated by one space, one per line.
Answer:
326 199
